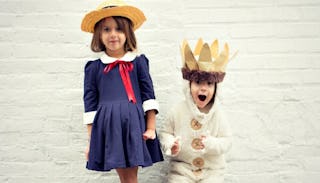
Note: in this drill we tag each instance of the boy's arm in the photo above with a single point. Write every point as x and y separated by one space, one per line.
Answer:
223 142
166 135
217 145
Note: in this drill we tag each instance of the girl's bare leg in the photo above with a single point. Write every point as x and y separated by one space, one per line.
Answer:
128 175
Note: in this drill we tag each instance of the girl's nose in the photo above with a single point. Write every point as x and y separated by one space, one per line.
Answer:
113 32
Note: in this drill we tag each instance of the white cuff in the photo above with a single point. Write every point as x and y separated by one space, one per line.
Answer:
167 150
150 104
88 117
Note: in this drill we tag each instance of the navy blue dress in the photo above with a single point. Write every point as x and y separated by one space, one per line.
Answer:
118 126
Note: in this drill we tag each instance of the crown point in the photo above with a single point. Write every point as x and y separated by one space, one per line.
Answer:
198 47
226 50
190 61
184 43
215 48
221 62
205 54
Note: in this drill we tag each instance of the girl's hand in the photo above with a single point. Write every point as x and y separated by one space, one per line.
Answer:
175 148
87 150
149 134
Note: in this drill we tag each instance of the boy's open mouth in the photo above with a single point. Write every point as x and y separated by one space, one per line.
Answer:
202 97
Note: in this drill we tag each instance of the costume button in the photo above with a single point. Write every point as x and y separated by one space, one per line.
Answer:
195 125
197 172
198 162
196 144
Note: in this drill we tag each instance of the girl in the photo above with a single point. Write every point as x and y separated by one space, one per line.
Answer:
195 134
119 100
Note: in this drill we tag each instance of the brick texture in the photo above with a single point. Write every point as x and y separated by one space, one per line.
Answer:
270 93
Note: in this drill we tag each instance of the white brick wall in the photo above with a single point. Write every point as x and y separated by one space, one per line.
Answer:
270 91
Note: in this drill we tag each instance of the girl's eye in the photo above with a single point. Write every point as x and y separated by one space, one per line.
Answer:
119 29
106 29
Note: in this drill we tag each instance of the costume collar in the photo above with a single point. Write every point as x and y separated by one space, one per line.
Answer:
128 57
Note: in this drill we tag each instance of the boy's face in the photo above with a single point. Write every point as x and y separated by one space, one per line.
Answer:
202 93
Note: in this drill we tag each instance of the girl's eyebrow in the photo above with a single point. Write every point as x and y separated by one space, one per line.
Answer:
108 26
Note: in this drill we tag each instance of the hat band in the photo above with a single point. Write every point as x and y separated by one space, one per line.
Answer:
197 75
111 6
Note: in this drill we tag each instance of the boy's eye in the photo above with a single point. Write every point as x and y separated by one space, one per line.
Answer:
210 83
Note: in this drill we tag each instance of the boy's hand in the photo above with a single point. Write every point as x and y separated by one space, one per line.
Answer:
175 148
203 139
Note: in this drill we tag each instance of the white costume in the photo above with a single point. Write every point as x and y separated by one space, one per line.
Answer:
188 125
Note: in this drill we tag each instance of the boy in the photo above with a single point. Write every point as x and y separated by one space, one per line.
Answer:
195 134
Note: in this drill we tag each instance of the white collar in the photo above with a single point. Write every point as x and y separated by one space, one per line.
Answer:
128 57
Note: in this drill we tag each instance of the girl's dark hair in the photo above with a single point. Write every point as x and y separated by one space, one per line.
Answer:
125 25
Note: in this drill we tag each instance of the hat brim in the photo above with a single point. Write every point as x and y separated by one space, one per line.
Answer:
134 14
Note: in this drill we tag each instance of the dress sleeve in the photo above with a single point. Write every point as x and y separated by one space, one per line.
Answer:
146 85
90 96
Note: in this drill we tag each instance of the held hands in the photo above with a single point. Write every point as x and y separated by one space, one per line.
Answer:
149 134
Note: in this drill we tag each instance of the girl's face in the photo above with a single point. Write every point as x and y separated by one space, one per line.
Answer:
202 93
113 38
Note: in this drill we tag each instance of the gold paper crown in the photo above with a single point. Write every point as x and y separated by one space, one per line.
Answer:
211 64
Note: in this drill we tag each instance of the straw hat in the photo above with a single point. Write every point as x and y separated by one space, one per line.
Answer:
112 8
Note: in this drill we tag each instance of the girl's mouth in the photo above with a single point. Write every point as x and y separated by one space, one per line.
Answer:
202 97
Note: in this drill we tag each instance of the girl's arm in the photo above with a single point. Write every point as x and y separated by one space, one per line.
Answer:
90 93
150 132
90 98
146 86
89 127
150 105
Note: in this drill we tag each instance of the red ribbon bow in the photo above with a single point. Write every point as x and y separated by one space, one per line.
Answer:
124 69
